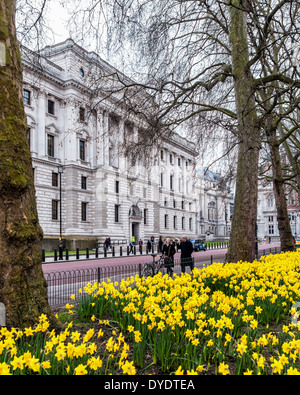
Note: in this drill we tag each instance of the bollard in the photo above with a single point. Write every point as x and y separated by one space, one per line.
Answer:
96 253
67 254
121 252
127 250
134 250
55 255
77 253
105 252
87 253
60 253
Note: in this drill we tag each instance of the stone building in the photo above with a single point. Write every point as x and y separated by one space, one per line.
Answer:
267 223
87 189
215 207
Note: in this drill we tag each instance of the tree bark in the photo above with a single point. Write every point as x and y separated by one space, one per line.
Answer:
23 288
285 232
242 237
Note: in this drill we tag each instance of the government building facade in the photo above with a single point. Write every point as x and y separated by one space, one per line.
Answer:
87 188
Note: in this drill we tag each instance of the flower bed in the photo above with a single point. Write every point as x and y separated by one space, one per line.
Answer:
224 319
220 316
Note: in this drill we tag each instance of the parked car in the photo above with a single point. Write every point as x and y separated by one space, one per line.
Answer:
198 245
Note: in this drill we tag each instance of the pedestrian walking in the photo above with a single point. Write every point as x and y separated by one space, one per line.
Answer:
131 244
141 246
186 248
168 251
149 245
160 244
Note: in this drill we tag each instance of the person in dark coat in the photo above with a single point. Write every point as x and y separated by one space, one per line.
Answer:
186 248
168 251
149 246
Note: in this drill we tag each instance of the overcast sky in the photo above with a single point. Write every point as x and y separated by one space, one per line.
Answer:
57 16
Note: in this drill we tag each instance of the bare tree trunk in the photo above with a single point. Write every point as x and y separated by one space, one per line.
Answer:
285 232
242 237
23 288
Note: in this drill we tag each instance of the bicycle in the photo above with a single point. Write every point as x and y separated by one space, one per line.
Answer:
155 267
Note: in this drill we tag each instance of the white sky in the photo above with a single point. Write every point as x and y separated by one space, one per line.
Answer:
57 16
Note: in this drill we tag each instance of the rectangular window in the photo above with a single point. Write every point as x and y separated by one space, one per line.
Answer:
182 222
175 222
55 209
83 211
50 107
161 179
27 97
190 224
54 179
145 216
83 182
82 150
271 218
166 220
29 136
172 182
271 229
117 213
50 145
81 114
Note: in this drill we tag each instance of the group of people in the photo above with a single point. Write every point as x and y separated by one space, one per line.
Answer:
169 250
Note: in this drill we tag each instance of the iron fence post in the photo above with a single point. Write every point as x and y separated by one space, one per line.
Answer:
98 274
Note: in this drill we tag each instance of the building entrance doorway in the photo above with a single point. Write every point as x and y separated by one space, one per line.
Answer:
135 232
135 218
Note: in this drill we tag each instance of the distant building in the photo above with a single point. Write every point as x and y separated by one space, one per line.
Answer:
215 206
267 222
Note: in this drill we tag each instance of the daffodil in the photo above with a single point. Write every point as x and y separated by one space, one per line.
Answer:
80 370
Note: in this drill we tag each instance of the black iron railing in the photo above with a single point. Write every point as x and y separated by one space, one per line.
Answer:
63 284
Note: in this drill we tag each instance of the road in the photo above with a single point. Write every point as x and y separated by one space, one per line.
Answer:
201 256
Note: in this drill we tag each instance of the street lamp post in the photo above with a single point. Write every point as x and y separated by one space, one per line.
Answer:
60 171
